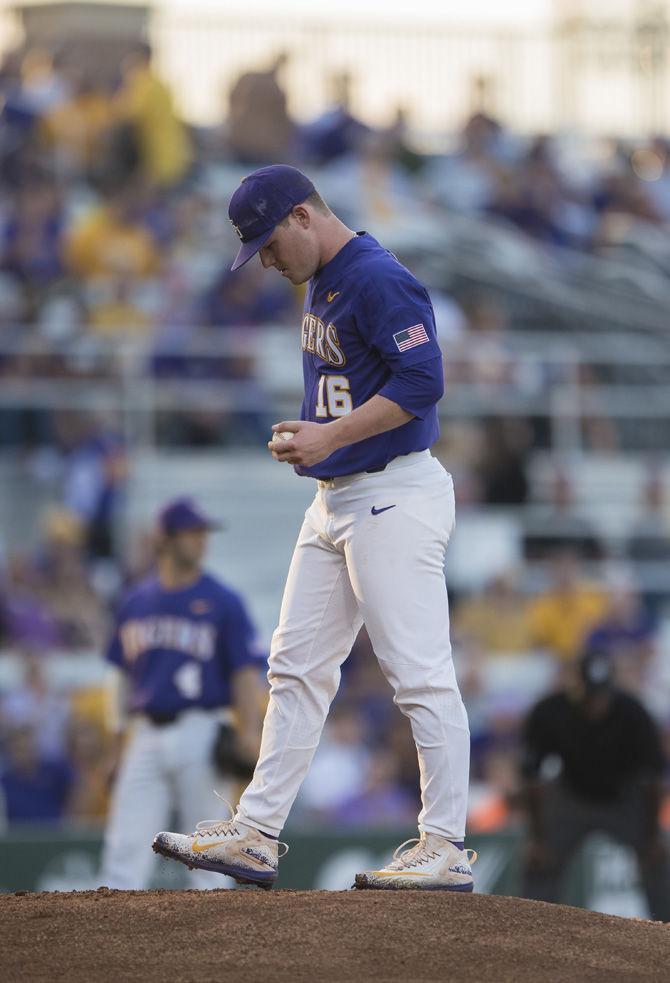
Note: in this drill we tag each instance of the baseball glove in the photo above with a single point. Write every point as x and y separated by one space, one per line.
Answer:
226 757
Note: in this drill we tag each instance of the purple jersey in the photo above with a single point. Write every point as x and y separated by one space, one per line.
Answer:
179 648
368 328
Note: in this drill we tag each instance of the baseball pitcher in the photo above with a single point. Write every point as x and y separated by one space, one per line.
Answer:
372 546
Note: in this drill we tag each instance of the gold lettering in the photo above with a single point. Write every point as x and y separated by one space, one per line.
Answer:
311 332
320 332
321 340
334 354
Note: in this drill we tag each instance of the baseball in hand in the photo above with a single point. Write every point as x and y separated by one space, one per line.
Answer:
280 435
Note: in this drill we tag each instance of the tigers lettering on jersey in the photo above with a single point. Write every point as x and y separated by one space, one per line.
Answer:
189 637
322 340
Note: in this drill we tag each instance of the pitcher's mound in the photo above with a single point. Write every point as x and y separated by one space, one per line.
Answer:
319 936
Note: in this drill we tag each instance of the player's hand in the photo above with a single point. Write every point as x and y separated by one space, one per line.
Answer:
232 756
311 443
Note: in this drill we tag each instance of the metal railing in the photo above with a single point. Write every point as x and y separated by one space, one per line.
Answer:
525 374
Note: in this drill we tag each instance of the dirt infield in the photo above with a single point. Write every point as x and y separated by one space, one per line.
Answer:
319 936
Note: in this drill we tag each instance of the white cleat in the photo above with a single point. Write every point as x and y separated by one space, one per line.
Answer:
229 847
432 864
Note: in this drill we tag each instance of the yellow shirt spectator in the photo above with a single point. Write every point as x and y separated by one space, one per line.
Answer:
164 145
118 316
107 243
561 619
496 622
74 128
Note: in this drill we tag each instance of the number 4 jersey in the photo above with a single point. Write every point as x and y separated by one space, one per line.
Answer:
368 328
179 648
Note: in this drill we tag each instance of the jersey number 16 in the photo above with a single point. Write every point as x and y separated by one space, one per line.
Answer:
333 396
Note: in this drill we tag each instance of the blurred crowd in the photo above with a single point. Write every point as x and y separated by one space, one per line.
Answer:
113 224
114 230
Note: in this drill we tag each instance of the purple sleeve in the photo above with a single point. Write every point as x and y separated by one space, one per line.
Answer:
418 388
395 316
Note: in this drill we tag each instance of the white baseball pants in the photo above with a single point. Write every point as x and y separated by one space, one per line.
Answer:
164 770
384 568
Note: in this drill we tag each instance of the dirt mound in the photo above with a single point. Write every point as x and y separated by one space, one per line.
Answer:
249 935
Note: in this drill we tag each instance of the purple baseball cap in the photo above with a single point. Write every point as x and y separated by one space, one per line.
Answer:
262 200
181 514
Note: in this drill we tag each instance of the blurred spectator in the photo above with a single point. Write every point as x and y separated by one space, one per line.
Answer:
191 257
626 634
116 306
88 758
340 765
651 163
47 600
152 130
481 355
497 621
531 195
36 704
35 788
66 586
111 240
564 614
623 204
31 234
381 802
557 526
366 688
32 87
96 472
502 466
42 84
13 310
650 536
27 623
610 761
248 300
72 131
465 180
260 130
336 132
398 739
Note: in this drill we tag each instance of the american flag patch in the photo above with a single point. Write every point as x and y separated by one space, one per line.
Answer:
411 337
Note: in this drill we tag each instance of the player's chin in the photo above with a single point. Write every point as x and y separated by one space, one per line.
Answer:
296 278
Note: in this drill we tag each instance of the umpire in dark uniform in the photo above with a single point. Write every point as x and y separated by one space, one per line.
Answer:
611 771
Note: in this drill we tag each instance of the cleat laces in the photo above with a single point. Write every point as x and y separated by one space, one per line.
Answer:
218 827
418 854
227 827
413 857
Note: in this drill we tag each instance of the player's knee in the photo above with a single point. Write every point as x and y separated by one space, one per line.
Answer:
283 673
433 710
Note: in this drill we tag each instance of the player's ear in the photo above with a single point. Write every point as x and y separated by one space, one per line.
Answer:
302 216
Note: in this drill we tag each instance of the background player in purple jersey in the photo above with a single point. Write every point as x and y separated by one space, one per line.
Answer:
187 664
372 546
